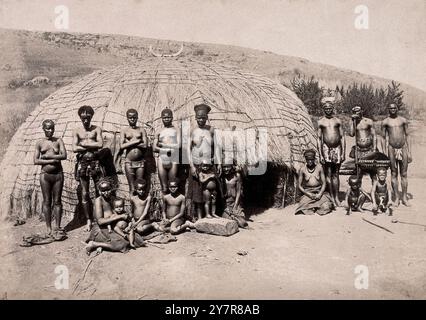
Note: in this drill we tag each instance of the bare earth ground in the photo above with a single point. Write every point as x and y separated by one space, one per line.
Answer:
288 256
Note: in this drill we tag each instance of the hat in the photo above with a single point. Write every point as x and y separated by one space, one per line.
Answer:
309 154
166 112
356 109
327 99
202 109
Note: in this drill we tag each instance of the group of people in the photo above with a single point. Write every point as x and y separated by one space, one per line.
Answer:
212 183
320 183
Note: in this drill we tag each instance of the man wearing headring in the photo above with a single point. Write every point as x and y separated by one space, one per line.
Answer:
87 143
48 154
201 148
311 182
133 140
331 147
167 144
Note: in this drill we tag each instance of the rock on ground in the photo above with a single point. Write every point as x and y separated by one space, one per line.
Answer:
217 226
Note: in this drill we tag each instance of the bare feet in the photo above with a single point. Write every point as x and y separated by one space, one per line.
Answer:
90 247
397 202
209 216
88 225
190 224
405 202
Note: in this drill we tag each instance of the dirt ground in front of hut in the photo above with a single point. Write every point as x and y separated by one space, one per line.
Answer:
288 257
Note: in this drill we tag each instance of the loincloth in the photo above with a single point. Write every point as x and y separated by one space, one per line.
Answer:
332 155
399 154
135 164
88 168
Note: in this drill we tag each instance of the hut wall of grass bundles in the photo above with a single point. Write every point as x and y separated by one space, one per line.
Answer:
237 98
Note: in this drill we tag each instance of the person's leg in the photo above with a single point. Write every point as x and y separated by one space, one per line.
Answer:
199 209
46 190
163 176
213 198
403 166
144 226
373 176
179 226
119 228
57 199
328 179
207 202
130 175
394 175
93 245
336 183
173 171
139 172
85 201
360 203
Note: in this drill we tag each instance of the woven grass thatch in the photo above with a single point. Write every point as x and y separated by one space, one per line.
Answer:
237 98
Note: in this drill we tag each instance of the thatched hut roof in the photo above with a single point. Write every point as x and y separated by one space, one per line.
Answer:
237 98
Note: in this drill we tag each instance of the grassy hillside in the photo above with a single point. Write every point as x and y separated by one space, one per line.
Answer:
62 56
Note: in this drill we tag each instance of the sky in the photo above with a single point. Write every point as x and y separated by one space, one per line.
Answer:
392 46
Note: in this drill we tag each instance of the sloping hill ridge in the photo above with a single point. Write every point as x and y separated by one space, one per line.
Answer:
62 56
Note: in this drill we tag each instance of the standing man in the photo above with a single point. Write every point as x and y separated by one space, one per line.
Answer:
87 142
201 149
133 140
366 141
332 147
398 150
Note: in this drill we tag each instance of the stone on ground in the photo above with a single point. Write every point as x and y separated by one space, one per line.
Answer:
217 226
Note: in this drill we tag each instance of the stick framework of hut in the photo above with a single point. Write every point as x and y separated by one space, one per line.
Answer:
237 98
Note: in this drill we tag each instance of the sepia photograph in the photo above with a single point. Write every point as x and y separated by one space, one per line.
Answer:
212 150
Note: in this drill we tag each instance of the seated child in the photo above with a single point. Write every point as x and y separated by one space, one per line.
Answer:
355 196
120 226
118 208
140 220
173 211
209 185
381 193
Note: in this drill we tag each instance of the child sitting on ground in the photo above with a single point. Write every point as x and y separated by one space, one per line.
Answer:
381 193
120 226
355 196
118 208
174 211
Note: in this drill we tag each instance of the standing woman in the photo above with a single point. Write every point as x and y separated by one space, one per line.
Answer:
133 141
48 154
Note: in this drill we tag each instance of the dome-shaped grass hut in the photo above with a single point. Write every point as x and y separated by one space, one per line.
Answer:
237 98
